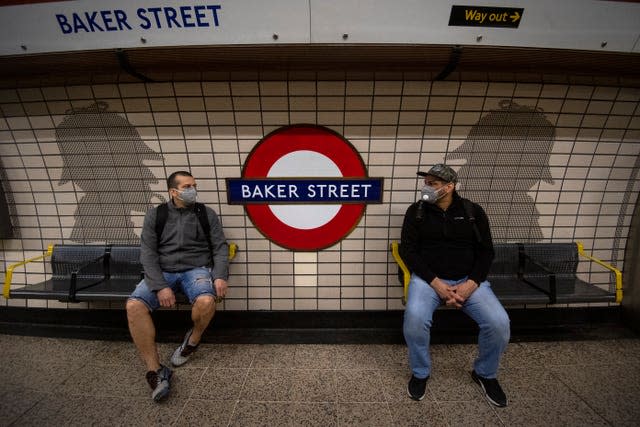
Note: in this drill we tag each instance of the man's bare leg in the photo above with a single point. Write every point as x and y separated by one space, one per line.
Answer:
202 312
143 333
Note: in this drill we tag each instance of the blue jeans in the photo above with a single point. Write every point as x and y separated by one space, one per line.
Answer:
482 306
192 283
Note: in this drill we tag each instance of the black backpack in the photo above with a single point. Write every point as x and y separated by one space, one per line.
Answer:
162 213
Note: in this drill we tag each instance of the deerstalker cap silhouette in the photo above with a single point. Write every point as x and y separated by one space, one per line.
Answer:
441 171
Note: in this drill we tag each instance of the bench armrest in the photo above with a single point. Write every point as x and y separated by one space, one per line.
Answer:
6 290
615 271
406 274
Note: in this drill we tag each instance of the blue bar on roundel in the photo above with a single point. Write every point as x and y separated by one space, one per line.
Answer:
304 190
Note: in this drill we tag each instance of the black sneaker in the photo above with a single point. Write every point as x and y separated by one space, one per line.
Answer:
417 387
184 351
491 388
160 382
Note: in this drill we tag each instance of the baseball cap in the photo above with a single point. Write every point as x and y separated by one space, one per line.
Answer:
441 171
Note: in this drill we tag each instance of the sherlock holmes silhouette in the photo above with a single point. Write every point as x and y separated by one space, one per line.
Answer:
103 155
507 154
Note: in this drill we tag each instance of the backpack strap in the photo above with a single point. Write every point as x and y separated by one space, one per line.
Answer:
201 213
468 209
162 213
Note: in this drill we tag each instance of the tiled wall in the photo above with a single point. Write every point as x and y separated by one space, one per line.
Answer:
549 162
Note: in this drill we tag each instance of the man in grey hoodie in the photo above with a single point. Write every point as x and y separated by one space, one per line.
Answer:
177 254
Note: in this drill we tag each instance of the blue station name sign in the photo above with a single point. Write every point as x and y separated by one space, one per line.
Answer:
304 190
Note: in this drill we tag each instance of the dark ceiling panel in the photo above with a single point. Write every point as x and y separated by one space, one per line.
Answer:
73 66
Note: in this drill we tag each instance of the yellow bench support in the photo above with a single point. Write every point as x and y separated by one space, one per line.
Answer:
6 290
617 272
406 274
233 248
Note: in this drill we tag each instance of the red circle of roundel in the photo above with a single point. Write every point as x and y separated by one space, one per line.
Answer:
309 138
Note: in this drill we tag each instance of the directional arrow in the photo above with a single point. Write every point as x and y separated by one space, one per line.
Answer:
485 16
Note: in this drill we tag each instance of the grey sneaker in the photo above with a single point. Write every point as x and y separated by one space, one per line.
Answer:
184 351
492 390
160 382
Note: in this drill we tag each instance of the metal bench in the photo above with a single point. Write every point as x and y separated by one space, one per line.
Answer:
538 273
86 273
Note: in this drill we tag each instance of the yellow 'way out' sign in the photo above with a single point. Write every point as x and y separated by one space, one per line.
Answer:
481 16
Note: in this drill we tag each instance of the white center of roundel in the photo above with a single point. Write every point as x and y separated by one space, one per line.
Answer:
304 164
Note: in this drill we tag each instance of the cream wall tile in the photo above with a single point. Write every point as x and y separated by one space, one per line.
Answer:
222 118
264 304
580 92
129 90
359 88
303 117
605 92
191 119
329 304
216 88
416 87
439 118
244 89
54 93
554 91
12 95
305 269
274 103
248 119
160 89
328 118
302 88
414 103
444 88
358 103
279 304
352 304
306 292
273 88
306 304
302 103
331 88
187 88
384 118
623 108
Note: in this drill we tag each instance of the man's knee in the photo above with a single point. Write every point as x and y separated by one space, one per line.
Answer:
205 302
136 308
414 324
501 326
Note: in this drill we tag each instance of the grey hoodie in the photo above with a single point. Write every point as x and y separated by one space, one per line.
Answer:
182 246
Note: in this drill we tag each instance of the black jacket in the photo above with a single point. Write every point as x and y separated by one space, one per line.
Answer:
443 244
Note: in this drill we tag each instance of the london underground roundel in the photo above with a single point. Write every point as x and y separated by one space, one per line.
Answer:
304 187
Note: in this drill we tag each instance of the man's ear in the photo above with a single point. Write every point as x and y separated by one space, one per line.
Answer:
450 186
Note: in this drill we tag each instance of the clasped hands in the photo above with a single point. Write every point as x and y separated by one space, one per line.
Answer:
454 295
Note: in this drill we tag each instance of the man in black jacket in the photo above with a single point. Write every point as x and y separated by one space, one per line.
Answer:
186 250
446 243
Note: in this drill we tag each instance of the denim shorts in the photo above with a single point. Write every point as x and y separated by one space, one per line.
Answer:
192 283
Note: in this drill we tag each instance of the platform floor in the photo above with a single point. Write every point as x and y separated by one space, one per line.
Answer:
61 382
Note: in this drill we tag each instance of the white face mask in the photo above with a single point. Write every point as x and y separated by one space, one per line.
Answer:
188 196
430 195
